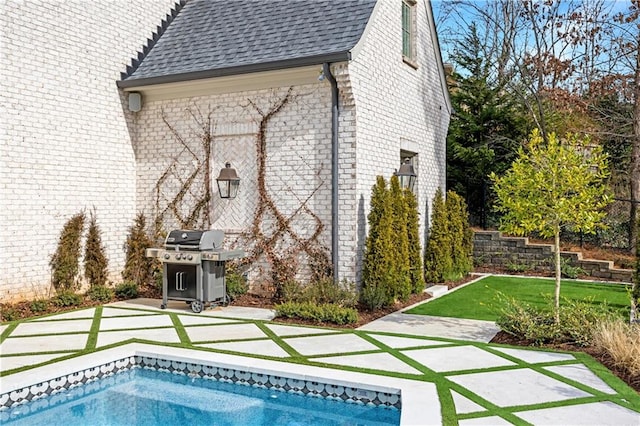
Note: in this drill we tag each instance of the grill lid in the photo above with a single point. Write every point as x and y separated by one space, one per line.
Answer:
194 240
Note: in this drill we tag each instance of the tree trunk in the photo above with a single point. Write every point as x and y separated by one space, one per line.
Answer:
634 172
556 308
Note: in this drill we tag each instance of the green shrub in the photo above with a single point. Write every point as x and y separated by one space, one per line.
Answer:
9 313
138 268
100 293
292 291
236 285
330 313
127 290
325 291
38 305
64 262
416 272
95 258
448 255
578 321
67 298
378 269
401 285
567 270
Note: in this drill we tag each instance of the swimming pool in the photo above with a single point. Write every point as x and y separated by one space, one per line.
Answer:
151 397
31 387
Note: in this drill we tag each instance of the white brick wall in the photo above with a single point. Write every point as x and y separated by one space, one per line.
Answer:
298 163
66 139
396 106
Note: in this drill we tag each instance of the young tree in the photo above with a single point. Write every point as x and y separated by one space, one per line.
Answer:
416 272
138 268
401 267
377 268
554 185
95 259
65 261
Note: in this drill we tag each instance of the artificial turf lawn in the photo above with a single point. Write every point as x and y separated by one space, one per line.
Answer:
480 299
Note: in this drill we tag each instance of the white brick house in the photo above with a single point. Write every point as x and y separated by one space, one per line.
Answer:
70 141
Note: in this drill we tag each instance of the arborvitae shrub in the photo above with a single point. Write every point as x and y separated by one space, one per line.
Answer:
461 236
95 259
416 274
377 269
65 261
138 268
401 286
437 256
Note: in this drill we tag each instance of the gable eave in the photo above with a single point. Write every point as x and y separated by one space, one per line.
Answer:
236 70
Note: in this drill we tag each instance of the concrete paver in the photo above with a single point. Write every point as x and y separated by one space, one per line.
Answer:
428 326
465 405
223 332
597 413
405 342
582 374
11 362
52 343
534 357
517 387
83 313
378 361
456 358
164 335
52 327
337 343
288 330
119 323
488 421
266 347
204 320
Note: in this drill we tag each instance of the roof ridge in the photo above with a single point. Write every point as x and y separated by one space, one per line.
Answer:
146 48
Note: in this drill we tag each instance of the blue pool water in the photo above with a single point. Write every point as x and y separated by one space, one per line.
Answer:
147 397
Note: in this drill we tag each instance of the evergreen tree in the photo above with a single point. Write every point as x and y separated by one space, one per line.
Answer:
138 268
437 256
461 236
416 272
377 268
400 264
485 131
65 261
95 259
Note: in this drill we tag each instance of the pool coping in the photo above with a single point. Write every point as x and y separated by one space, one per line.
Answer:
413 393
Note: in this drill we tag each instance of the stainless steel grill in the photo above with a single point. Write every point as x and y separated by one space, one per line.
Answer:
193 266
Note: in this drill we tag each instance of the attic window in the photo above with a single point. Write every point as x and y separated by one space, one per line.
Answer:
409 32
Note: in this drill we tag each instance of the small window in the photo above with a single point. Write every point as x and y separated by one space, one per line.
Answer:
409 31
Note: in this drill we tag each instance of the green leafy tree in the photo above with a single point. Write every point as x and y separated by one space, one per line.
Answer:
554 185
138 268
401 268
416 272
65 261
378 269
95 259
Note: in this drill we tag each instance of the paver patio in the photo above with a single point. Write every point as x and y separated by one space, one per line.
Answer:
477 383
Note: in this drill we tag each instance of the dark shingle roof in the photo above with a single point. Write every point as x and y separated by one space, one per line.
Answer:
210 38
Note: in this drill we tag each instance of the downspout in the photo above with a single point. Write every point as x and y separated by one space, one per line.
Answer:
326 69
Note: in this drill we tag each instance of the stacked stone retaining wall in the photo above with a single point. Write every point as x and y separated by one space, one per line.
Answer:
493 250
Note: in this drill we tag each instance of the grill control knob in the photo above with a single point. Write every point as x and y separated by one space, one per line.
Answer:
190 257
167 255
178 256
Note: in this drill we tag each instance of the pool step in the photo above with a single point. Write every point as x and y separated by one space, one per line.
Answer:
437 290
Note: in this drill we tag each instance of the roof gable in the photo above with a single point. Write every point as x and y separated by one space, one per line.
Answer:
210 38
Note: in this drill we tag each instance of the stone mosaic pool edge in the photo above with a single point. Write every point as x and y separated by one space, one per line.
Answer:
88 376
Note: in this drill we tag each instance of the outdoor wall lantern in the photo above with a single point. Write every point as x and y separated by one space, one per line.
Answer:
406 175
228 182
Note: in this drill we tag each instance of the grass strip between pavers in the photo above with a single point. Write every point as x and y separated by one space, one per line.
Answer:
95 328
180 330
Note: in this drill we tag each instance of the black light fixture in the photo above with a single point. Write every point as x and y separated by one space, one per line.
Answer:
228 182
407 175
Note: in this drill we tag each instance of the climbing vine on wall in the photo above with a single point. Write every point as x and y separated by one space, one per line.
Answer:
268 243
191 169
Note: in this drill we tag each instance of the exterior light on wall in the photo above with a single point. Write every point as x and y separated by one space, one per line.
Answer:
407 175
228 182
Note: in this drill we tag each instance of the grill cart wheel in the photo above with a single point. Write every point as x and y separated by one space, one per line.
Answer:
196 306
163 306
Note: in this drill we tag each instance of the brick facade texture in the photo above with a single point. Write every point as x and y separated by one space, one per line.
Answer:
75 146
66 134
